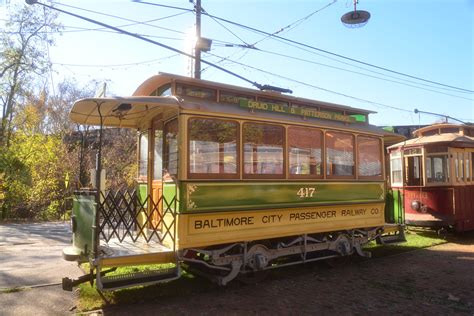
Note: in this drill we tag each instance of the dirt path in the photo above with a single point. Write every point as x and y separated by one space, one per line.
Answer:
434 281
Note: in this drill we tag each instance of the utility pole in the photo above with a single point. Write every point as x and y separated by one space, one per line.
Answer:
197 48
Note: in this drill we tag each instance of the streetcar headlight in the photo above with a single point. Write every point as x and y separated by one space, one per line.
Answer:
416 205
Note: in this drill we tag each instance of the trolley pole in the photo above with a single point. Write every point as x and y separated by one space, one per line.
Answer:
197 48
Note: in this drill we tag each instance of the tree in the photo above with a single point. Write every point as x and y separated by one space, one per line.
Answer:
33 168
23 44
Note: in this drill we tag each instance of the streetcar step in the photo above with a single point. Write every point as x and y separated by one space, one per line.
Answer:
118 281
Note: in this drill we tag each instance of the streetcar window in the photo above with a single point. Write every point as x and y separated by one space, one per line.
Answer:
230 97
450 130
162 91
263 149
339 154
196 92
431 132
468 167
396 168
304 146
369 153
143 156
158 153
414 167
170 156
213 147
459 166
437 169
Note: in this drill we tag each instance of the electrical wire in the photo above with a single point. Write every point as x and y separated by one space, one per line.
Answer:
320 50
290 26
259 86
146 23
339 55
253 46
118 17
360 73
119 65
296 23
314 86
223 26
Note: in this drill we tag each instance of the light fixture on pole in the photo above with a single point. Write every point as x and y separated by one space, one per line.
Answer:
356 18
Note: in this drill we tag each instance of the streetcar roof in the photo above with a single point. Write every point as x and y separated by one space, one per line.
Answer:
131 112
138 110
152 83
453 139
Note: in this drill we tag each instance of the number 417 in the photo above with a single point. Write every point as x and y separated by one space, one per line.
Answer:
306 192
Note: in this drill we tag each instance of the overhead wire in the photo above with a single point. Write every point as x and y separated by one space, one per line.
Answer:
118 65
320 50
253 83
119 17
295 24
263 71
147 23
244 45
342 56
359 73
372 71
316 87
288 27
223 26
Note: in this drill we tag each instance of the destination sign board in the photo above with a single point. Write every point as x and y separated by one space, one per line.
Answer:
300 111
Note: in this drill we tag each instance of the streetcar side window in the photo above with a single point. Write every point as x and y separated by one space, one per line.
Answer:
459 166
468 167
370 158
158 155
263 146
164 90
143 156
304 150
396 168
414 170
170 156
213 148
340 161
437 169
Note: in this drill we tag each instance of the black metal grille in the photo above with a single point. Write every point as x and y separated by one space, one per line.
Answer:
126 214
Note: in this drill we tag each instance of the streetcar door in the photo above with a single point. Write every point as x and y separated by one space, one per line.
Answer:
163 153
156 152
170 168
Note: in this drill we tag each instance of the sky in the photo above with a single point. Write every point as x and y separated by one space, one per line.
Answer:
428 39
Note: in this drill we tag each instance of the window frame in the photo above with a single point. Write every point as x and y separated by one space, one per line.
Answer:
167 175
448 175
213 176
305 176
380 156
414 152
397 155
284 147
354 154
140 177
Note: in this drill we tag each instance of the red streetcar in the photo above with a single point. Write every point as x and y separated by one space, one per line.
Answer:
433 175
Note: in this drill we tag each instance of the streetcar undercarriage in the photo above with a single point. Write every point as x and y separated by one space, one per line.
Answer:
223 264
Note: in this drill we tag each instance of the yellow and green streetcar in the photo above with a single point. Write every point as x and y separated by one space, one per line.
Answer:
231 182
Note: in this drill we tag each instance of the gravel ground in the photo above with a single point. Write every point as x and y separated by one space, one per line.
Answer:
31 269
434 281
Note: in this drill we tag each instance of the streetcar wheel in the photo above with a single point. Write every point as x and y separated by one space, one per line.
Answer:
442 233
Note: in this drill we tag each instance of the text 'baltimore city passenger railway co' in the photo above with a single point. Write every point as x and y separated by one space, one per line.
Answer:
283 217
